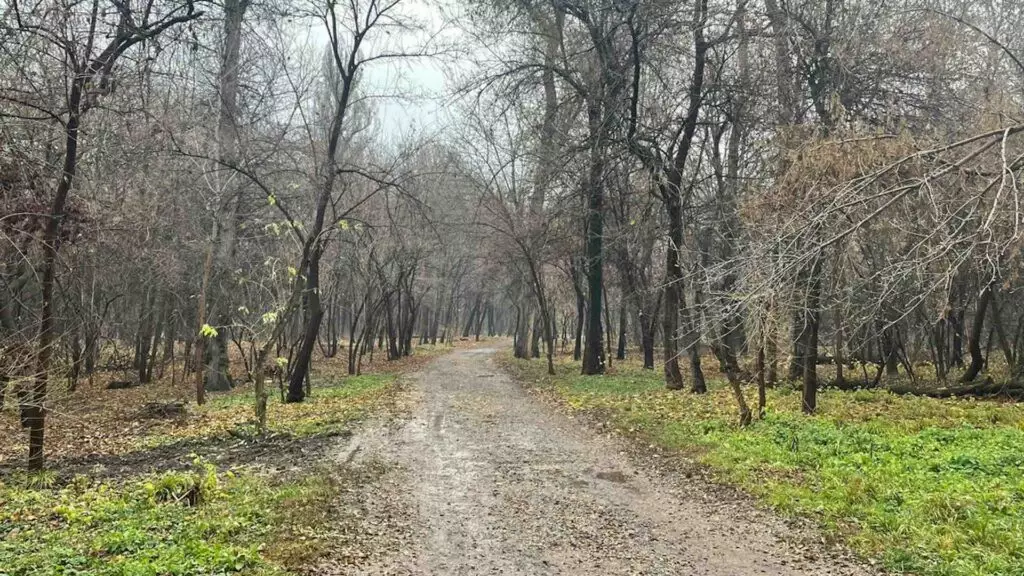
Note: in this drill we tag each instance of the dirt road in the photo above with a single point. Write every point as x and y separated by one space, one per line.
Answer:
485 479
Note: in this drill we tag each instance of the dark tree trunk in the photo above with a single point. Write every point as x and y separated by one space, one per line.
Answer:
535 337
521 343
216 375
620 349
673 293
77 357
647 330
170 336
939 348
670 176
761 395
480 322
33 411
890 349
813 315
354 342
410 324
692 325
797 361
1004 342
593 347
607 328
300 366
977 328
425 325
577 350
840 357
471 321
161 319
957 324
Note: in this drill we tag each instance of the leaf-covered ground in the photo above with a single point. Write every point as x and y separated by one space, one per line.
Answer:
199 494
94 422
927 486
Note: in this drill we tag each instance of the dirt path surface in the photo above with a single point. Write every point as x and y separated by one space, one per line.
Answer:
486 479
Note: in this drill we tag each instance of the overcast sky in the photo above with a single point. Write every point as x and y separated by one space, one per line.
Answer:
412 93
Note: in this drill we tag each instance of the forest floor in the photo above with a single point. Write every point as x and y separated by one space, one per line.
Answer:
128 494
486 478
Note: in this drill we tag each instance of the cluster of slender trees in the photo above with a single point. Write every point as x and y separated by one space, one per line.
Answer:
184 181
781 184
777 184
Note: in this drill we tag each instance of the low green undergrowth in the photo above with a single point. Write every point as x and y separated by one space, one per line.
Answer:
330 409
176 523
246 520
933 487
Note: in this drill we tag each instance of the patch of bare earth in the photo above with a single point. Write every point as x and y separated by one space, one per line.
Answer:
483 478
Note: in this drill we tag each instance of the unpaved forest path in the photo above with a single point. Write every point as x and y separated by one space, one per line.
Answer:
485 479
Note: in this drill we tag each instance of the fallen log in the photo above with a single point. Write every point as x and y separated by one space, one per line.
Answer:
160 410
986 388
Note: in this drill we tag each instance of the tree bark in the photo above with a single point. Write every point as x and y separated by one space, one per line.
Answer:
593 348
673 295
761 394
620 351
300 369
34 412
223 239
813 315
977 328
692 326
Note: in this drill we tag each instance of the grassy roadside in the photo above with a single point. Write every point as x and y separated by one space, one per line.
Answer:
932 487
202 495
196 522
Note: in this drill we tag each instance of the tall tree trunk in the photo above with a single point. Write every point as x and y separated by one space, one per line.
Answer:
648 328
840 357
34 411
158 328
224 236
890 351
977 328
535 337
143 336
673 295
692 325
761 395
956 357
620 349
670 176
472 318
200 338
799 335
522 337
607 327
593 354
577 351
300 369
813 316
1004 342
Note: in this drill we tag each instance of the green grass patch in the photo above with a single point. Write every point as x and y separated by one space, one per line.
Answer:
332 408
176 523
933 487
202 521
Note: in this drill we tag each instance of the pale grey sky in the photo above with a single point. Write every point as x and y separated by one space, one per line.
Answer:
410 94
